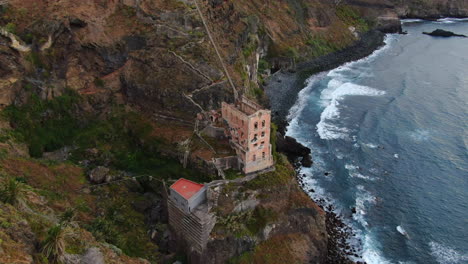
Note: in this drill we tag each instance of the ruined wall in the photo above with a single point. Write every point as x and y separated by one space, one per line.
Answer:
227 163
259 155
252 134
238 124
193 228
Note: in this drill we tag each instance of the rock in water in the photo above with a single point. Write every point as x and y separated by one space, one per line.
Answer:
443 33
402 231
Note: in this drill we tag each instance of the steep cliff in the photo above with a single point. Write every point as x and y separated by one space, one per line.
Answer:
95 82
267 220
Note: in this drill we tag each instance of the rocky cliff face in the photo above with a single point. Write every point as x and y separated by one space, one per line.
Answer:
155 53
267 220
431 9
155 57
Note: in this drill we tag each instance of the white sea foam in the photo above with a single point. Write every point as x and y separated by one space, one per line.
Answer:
351 167
331 96
450 20
396 156
447 255
360 176
353 172
371 253
403 21
302 97
363 200
370 145
338 88
420 135
327 129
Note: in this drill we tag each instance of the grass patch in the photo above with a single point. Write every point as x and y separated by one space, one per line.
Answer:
351 17
11 28
260 218
123 139
45 125
121 225
99 82
232 174
320 46
281 176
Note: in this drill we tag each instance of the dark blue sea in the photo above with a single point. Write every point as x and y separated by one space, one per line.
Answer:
391 130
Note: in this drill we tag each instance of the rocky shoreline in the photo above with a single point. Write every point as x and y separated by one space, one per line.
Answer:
339 251
282 89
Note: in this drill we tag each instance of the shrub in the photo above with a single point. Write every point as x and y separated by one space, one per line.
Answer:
45 125
351 17
320 46
260 218
99 82
292 53
10 27
281 176
11 190
54 244
262 66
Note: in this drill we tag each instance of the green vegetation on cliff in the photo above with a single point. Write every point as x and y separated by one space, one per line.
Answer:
125 139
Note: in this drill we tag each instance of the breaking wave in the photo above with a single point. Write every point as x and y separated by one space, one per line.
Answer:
332 96
450 20
340 87
354 172
363 200
409 20
302 97
372 253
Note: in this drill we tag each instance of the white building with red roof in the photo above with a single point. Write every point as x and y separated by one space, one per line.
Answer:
187 195
189 214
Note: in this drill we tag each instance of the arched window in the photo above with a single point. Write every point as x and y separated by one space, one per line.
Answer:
263 123
256 125
263 133
263 155
254 158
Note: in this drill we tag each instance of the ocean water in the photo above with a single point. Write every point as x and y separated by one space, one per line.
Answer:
391 130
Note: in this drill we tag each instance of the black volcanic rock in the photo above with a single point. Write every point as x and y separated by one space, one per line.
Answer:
294 150
76 22
443 33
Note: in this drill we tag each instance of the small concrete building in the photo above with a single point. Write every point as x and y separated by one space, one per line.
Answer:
187 195
189 215
249 131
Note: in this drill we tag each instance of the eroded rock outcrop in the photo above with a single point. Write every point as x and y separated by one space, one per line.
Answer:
278 221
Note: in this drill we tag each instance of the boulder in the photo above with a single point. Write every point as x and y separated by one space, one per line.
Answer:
92 256
98 174
294 150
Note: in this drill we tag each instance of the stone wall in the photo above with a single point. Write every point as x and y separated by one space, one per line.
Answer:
214 132
226 163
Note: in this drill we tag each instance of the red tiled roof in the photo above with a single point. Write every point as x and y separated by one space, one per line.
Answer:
186 188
